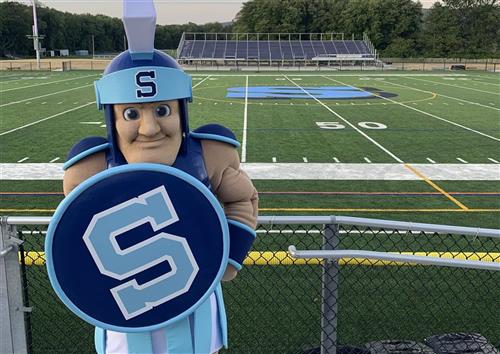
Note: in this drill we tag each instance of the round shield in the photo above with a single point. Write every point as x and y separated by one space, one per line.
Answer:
137 247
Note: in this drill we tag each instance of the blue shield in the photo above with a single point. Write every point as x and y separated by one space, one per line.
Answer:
137 247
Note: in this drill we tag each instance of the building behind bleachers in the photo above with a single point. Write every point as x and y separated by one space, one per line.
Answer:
275 48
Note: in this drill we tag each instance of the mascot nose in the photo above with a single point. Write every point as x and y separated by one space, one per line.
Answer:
149 126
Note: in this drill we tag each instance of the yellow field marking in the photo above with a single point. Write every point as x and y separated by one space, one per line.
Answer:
375 210
435 186
275 258
369 210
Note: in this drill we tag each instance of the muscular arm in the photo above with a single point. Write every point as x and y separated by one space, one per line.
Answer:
83 170
231 185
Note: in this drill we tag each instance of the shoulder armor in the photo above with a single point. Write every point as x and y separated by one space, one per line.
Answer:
215 132
84 148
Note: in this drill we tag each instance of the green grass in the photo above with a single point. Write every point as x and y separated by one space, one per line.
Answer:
279 307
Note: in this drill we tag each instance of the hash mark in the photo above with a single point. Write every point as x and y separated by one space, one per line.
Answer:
336 160
22 160
305 159
431 160
461 160
54 160
274 159
29 102
59 102
44 102
367 160
493 160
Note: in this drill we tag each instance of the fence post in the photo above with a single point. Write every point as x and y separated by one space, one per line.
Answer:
12 325
330 287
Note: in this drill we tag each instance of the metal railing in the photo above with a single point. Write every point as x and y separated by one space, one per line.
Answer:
356 285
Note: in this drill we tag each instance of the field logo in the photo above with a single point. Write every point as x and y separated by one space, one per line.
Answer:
153 207
313 92
147 86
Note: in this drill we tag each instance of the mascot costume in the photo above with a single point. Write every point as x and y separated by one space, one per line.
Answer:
156 215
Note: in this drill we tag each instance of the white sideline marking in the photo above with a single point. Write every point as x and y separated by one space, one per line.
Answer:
336 160
426 113
47 83
305 159
22 160
349 123
462 87
461 160
346 75
49 94
300 171
245 122
367 160
450 97
44 119
493 160
54 160
431 160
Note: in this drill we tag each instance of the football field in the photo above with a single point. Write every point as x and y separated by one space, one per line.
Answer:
410 146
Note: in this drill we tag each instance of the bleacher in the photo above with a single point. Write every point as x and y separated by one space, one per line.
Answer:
296 48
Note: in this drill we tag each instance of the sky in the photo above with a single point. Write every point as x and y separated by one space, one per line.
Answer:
168 11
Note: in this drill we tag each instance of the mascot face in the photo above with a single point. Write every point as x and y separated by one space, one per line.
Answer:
149 132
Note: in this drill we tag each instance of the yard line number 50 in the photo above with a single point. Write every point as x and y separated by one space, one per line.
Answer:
337 125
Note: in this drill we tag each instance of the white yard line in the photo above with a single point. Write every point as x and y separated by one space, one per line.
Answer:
423 112
47 83
493 160
302 171
349 123
450 97
22 160
245 125
47 118
49 94
461 87
430 160
199 83
461 160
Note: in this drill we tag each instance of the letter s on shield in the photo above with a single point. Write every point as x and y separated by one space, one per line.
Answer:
155 208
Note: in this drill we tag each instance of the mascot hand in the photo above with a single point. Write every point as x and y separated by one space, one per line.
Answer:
230 273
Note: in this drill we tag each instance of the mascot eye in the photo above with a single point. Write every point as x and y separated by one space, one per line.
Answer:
131 114
162 111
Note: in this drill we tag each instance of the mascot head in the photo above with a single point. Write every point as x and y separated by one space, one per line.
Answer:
141 75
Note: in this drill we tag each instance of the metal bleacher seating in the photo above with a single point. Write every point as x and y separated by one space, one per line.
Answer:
196 48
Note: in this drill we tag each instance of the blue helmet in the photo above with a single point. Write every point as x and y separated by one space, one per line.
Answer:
141 75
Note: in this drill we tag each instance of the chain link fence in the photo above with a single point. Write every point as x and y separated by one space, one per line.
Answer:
281 304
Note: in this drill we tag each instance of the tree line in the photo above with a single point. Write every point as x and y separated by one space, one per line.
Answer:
397 28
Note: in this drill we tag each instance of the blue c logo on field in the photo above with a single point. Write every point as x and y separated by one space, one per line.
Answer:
137 247
153 207
147 86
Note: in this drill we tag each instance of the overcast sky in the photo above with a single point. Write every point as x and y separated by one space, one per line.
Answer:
168 11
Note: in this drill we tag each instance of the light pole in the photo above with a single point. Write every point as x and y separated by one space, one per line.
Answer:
36 38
